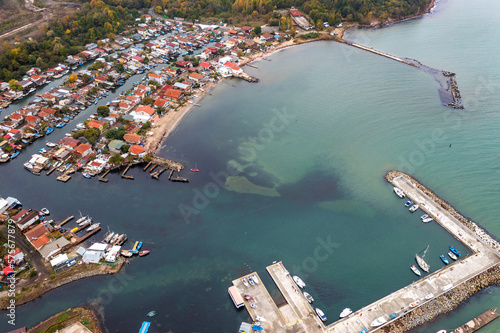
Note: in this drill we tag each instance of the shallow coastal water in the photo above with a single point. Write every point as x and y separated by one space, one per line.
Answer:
320 130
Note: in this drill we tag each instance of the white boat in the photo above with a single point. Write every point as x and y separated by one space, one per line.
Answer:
108 237
423 217
308 297
415 270
254 277
93 226
379 321
452 255
245 282
42 150
81 219
320 314
299 281
114 238
413 208
51 144
428 219
345 312
28 166
44 211
421 262
441 331
85 223
399 192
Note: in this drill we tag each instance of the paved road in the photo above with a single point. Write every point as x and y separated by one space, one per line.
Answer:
36 259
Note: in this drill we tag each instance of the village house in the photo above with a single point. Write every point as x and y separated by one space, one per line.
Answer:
69 143
28 220
131 138
173 95
142 114
138 151
161 103
83 150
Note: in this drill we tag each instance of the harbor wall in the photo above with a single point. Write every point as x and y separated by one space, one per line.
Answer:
444 303
471 225
451 299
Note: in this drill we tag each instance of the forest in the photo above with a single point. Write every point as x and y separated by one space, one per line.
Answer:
69 35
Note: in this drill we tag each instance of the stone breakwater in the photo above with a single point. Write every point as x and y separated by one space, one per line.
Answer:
483 235
444 303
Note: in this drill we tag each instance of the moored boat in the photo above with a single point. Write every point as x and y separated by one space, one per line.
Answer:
245 282
308 297
408 203
452 255
421 262
250 280
44 211
427 220
86 175
299 281
151 313
126 253
444 259
379 321
345 312
254 277
415 270
399 192
51 144
413 208
455 251
143 253
320 314
139 245
194 170
93 226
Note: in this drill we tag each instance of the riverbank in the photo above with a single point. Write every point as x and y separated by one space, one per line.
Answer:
37 289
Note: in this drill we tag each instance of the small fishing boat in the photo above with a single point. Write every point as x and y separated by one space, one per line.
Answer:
139 246
93 226
427 220
452 255
408 203
455 251
143 253
320 314
81 219
444 259
245 282
108 237
399 192
13 156
308 297
424 216
151 313
377 322
49 130
44 211
86 175
114 238
42 150
415 270
413 208
145 327
254 277
195 170
126 253
51 144
345 312
299 281
250 280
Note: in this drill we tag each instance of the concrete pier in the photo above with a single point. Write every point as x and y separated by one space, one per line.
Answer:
480 321
435 294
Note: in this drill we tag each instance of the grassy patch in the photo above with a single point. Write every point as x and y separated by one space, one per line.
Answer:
311 35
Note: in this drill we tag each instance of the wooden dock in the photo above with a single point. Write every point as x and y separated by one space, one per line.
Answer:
102 178
124 173
153 167
87 235
157 174
479 322
66 221
147 166
64 178
177 179
50 171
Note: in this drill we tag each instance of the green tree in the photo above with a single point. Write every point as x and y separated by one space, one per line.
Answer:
148 101
257 30
158 10
116 159
124 148
103 110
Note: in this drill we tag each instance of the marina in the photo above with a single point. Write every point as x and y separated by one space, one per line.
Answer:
298 313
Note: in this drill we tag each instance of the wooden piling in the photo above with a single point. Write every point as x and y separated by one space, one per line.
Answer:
102 178
124 172
147 166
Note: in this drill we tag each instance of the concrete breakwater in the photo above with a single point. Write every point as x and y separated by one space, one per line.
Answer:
245 77
448 91
466 276
483 235
444 303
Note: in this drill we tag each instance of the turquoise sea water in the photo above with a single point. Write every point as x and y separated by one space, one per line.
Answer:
307 148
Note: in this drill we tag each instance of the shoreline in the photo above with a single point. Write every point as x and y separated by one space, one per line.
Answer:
50 284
